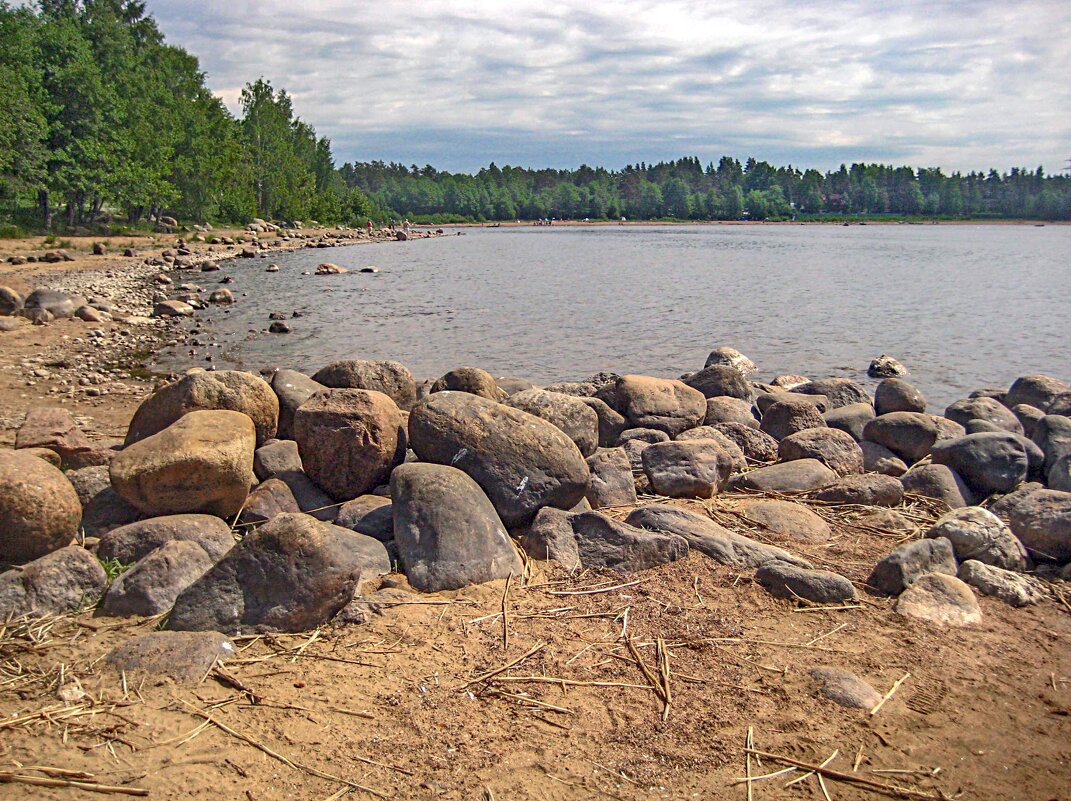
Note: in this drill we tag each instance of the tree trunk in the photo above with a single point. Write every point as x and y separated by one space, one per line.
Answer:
46 209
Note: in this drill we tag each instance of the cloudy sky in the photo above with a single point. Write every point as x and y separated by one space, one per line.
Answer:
966 84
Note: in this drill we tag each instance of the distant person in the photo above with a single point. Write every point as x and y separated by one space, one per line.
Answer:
369 227
406 226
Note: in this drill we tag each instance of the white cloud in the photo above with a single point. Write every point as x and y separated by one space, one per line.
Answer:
958 84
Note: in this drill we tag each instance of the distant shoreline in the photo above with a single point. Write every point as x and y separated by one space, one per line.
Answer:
648 223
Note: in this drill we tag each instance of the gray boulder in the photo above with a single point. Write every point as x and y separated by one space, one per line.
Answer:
371 515
871 489
58 304
787 519
611 423
578 421
1042 522
1053 435
766 399
985 409
731 357
268 500
910 435
758 446
896 395
879 459
709 538
1035 390
611 479
835 449
521 462
66 580
153 584
1013 588
1028 416
550 537
989 462
448 533
907 563
978 534
292 389
696 468
729 410
291 574
132 543
851 419
801 475
783 580
940 482
605 542
845 688
783 418
839 391
721 381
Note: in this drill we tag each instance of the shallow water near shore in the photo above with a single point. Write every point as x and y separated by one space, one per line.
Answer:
962 306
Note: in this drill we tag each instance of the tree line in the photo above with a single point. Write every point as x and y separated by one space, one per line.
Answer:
729 190
103 123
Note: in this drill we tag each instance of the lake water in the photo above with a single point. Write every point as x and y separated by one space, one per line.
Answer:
962 306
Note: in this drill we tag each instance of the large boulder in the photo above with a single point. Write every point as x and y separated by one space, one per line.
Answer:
291 574
611 422
870 489
851 419
907 563
987 409
896 395
1013 588
783 580
471 380
731 357
767 399
1035 390
550 537
709 538
940 482
349 440
268 499
39 509
58 304
133 542
224 389
942 599
447 531
839 391
203 462
371 515
802 475
696 468
522 462
67 580
55 428
1053 435
579 422
729 410
879 459
659 403
758 446
720 381
989 462
787 519
835 449
10 302
910 435
782 418
393 379
292 389
1042 522
153 584
977 533
736 453
605 542
612 483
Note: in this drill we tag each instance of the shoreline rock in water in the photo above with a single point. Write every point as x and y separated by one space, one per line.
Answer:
496 470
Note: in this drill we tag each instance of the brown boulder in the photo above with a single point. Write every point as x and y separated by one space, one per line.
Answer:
39 509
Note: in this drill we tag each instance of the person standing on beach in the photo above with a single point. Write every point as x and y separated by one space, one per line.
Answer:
369 227
405 226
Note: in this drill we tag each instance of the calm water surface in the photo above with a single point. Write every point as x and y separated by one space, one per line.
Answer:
962 306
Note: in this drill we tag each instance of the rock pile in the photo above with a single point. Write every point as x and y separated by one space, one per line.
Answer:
340 478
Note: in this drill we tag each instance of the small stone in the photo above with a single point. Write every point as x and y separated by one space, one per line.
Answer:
1013 588
783 580
939 598
885 366
903 567
183 656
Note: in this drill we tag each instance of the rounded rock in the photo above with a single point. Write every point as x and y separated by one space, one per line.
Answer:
39 509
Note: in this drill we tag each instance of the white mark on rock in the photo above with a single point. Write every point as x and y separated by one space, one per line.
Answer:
522 485
461 454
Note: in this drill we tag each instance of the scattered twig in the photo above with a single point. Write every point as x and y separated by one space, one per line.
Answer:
850 778
92 787
513 663
505 612
888 695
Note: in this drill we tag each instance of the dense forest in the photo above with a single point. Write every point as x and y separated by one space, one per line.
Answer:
103 124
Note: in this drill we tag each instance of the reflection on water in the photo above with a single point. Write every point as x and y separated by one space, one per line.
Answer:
962 306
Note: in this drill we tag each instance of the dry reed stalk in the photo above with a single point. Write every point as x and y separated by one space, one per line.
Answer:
849 778
888 695
91 787
513 663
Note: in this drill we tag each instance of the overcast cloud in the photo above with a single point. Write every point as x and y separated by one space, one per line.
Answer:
459 83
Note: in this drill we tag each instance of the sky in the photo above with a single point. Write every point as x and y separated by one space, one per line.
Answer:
962 85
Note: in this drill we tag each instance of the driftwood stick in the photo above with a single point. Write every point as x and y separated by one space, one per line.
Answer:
92 787
850 778
492 673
